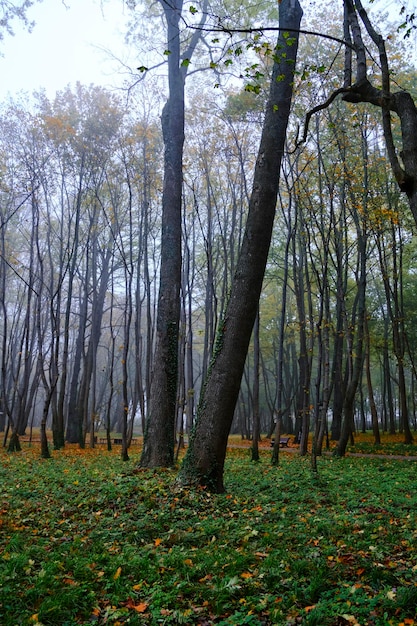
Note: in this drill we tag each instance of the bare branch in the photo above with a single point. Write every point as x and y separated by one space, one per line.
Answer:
316 109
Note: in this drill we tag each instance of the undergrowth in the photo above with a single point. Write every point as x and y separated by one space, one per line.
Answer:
87 539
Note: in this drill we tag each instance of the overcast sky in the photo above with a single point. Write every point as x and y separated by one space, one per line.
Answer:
65 45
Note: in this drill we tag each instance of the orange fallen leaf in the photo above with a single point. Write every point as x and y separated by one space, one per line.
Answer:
157 542
117 574
188 562
246 575
307 609
139 608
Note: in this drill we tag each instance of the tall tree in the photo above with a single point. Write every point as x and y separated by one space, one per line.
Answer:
159 438
204 461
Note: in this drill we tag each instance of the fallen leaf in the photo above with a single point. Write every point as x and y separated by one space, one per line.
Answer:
117 574
139 608
351 619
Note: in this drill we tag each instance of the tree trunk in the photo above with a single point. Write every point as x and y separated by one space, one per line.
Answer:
356 350
158 448
256 430
372 404
204 461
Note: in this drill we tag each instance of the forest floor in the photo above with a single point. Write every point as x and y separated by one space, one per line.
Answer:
88 539
363 446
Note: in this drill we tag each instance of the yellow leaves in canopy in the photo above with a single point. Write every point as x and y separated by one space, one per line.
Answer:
58 128
382 216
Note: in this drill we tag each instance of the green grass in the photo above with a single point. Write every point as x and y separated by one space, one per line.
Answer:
87 539
385 448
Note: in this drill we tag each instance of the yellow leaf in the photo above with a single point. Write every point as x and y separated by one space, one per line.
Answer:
351 619
117 574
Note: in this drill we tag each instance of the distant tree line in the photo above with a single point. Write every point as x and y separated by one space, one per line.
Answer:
83 200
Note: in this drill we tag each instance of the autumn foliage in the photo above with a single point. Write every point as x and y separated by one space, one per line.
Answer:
87 539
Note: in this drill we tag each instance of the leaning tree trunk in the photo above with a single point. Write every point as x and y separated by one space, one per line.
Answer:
204 461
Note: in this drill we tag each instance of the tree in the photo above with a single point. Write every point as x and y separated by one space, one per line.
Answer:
159 436
10 11
204 461
363 90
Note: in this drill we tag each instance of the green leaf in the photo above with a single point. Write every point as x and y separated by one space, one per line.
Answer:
142 68
185 62
193 10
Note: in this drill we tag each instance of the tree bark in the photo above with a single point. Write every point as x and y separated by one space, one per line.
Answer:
158 448
204 461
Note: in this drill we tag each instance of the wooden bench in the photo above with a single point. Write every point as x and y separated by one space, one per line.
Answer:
283 442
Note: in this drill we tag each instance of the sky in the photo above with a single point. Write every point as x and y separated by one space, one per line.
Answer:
66 45
69 42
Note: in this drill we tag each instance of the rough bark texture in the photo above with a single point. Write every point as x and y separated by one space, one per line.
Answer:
204 461
158 449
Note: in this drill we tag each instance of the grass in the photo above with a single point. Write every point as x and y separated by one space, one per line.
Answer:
87 539
390 445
